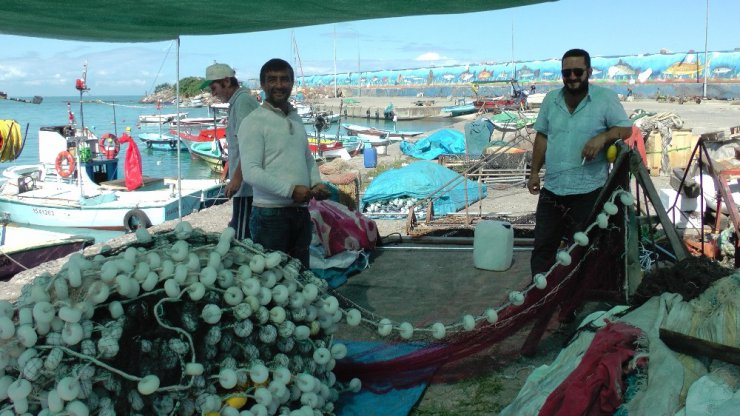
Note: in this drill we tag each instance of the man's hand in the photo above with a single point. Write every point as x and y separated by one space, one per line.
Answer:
231 188
533 184
320 192
301 194
593 146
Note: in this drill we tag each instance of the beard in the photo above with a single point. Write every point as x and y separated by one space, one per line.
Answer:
279 96
582 86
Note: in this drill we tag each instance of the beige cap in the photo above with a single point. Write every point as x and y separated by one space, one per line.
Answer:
216 72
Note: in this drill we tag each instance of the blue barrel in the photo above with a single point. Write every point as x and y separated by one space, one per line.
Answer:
370 155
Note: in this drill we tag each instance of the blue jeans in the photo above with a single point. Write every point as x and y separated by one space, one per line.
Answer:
558 217
287 229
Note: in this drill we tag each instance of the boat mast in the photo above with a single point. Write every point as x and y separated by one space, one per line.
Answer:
336 92
297 61
81 86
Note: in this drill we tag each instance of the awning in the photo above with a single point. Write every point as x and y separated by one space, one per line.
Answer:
157 20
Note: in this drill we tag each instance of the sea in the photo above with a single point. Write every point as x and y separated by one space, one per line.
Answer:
113 114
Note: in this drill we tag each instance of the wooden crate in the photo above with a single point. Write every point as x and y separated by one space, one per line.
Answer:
682 144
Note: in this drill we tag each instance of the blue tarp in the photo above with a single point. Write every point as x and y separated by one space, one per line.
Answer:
375 399
445 141
419 180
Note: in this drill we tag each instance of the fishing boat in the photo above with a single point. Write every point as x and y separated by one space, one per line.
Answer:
202 135
365 132
513 120
214 153
23 248
328 118
75 184
161 118
343 147
161 141
460 109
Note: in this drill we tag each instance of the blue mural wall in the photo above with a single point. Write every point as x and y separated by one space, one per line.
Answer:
646 69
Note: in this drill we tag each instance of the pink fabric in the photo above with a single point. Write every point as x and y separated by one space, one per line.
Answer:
595 387
340 229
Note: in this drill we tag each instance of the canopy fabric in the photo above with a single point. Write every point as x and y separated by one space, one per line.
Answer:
157 20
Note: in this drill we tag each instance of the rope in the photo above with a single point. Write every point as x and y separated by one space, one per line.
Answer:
114 104
663 123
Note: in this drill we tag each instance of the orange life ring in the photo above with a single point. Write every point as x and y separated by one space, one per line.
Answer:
61 158
109 145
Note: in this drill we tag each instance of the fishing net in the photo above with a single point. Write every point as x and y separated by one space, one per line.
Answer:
595 269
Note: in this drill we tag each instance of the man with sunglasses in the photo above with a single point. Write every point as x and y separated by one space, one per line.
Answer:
574 127
222 82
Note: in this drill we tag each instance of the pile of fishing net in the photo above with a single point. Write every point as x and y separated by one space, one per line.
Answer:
179 323
650 378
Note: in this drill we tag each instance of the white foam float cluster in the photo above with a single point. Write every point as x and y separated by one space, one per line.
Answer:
468 322
171 326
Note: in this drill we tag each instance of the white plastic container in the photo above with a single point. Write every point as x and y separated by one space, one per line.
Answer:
493 245
382 149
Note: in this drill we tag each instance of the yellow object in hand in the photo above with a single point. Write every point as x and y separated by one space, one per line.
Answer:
611 153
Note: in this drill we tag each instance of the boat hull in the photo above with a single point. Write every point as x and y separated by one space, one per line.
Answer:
16 257
204 151
109 210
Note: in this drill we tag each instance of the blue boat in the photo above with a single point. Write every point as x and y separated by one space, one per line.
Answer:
159 141
459 109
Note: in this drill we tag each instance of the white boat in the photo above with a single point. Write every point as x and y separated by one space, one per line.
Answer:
161 118
328 118
367 132
52 194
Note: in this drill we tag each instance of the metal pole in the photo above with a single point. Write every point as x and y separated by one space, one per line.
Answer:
359 73
335 61
177 111
706 56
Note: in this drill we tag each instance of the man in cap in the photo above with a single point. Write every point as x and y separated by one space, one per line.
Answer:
221 80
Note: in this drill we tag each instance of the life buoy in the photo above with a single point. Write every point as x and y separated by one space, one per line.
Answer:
109 145
62 157
135 219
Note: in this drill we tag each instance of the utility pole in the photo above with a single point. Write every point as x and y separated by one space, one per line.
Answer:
706 55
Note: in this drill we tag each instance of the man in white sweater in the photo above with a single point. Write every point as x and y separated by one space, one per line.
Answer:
280 167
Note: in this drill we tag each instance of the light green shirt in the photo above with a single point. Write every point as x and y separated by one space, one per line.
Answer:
240 105
566 173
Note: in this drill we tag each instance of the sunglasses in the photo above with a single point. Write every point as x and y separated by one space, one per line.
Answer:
578 72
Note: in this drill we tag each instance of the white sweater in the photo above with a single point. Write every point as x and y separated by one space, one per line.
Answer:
275 156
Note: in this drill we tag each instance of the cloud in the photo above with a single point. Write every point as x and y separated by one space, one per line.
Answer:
429 56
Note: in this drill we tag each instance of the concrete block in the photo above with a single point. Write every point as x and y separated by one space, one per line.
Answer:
684 203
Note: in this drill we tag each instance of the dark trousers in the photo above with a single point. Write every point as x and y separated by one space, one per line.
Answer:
288 229
558 217
240 214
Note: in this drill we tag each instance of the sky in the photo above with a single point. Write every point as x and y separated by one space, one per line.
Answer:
47 67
